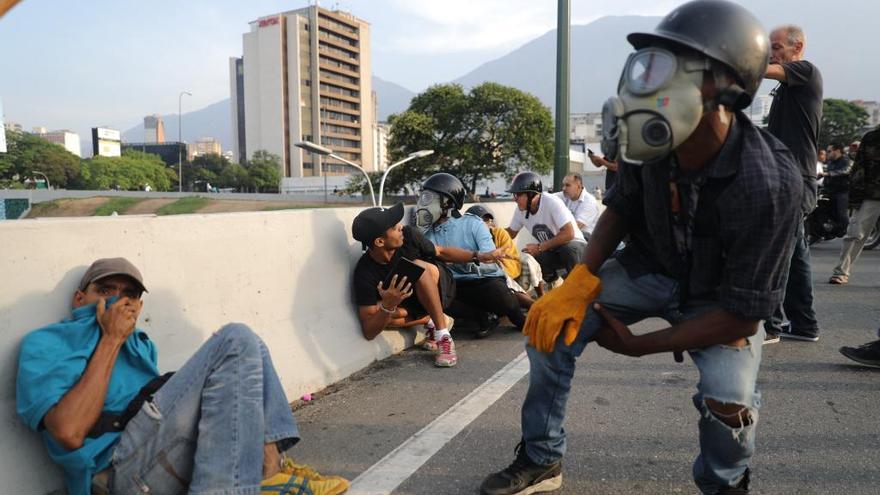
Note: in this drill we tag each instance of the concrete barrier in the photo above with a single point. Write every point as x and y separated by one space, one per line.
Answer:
287 274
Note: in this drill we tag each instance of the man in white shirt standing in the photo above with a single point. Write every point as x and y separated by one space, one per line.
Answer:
561 244
580 203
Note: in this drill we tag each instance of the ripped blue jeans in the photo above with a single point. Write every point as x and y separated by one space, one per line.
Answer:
727 375
204 431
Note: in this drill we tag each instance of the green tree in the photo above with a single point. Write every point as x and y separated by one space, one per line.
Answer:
264 171
27 152
491 130
842 122
131 171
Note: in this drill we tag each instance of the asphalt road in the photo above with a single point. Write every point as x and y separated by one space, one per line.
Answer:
631 425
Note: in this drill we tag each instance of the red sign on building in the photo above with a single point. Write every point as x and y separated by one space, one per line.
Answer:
268 22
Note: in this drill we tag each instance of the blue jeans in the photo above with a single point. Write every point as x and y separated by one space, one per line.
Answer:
204 431
798 303
727 375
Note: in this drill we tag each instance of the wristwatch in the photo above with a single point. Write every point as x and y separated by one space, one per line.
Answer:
475 259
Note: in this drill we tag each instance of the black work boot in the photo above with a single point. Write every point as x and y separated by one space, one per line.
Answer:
523 477
741 488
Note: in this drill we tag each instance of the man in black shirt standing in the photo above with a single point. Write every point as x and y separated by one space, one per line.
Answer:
795 117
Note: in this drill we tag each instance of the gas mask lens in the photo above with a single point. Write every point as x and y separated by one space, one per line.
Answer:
649 70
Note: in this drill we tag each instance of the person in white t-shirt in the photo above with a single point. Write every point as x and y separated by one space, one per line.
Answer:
580 203
561 244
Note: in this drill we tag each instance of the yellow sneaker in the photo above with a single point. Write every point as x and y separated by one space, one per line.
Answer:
301 479
292 484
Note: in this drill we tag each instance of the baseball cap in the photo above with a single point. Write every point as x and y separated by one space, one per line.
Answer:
373 222
106 267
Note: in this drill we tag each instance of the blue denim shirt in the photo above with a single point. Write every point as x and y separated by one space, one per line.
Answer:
52 360
741 238
471 233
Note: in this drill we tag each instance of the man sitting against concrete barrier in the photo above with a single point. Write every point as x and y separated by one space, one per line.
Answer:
522 269
481 288
561 243
382 305
90 386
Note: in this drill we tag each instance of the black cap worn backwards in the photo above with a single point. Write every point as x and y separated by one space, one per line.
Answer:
373 222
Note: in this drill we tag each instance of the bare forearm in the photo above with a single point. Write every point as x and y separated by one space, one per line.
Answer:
453 254
70 420
610 229
373 324
560 239
712 328
776 72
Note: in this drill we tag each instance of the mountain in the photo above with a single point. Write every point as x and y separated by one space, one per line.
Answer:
393 98
212 121
215 119
598 52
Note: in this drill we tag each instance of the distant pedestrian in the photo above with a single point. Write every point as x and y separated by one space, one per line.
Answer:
580 203
794 119
865 191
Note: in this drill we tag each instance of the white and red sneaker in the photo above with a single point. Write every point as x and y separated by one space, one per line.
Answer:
447 357
430 342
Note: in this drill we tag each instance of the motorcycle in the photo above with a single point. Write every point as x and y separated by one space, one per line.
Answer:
820 224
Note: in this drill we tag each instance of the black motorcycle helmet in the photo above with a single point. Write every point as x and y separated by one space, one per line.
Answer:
450 188
723 31
529 183
481 211
526 182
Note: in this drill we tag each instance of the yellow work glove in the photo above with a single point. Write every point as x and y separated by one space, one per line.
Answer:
561 309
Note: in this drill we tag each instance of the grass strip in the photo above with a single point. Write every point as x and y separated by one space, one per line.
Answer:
183 206
119 205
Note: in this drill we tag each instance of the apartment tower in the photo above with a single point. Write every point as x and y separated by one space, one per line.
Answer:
304 75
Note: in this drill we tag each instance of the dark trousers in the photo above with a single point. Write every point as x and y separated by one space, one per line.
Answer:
798 303
840 212
562 258
485 295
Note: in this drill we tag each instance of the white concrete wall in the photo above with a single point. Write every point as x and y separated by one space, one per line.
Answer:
286 274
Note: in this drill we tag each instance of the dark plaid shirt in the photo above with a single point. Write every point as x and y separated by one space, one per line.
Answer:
744 207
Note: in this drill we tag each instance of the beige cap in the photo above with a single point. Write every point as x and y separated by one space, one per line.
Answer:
106 267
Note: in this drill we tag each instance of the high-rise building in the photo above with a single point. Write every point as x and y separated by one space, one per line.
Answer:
759 110
154 129
380 145
305 75
873 109
68 139
204 146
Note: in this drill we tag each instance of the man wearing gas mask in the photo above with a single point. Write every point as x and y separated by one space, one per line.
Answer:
481 288
710 203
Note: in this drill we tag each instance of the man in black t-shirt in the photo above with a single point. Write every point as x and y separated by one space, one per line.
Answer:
386 241
794 119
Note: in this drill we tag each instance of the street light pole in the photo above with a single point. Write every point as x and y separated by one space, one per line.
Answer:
411 156
180 140
48 186
322 151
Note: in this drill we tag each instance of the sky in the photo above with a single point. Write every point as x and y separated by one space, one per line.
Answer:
110 62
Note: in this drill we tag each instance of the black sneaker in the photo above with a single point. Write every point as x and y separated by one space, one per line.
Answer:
523 477
487 322
791 333
771 338
741 488
867 354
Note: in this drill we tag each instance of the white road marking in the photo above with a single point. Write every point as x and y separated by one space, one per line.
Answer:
393 469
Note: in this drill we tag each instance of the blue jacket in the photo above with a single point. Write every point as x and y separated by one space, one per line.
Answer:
52 360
